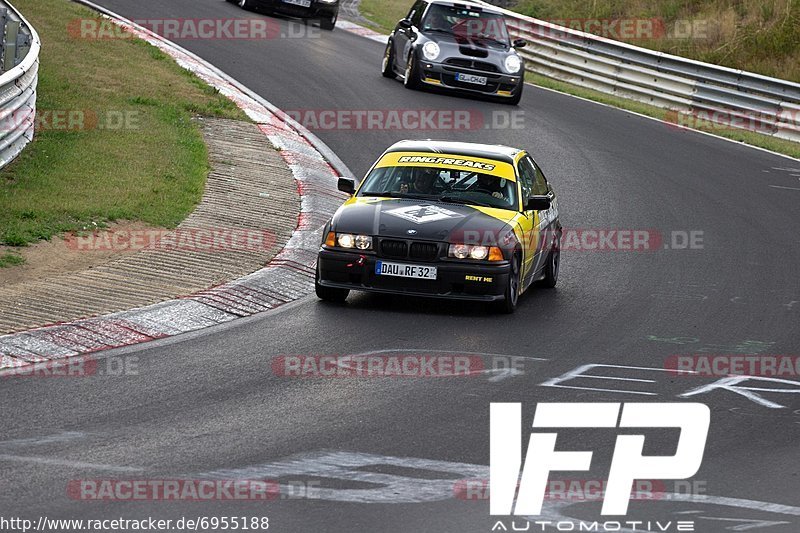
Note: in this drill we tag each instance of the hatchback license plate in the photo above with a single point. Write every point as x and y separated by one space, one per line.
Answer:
402 270
472 78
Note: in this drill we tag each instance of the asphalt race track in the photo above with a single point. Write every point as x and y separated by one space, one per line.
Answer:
208 405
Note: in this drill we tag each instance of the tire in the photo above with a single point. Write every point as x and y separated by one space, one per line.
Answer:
329 294
551 269
509 304
330 23
412 73
387 67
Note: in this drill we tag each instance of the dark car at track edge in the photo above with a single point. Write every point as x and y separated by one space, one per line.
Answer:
324 11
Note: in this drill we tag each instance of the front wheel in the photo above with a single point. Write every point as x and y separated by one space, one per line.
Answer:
412 73
329 294
509 304
387 67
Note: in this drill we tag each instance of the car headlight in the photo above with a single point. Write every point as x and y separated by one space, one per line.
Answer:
513 64
430 50
467 251
363 242
348 240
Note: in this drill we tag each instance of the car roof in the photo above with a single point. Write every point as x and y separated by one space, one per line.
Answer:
466 3
486 151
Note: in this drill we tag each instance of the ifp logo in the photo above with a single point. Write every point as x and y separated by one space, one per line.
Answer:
628 464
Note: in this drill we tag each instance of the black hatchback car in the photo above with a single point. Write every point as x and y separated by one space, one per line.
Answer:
456 45
325 11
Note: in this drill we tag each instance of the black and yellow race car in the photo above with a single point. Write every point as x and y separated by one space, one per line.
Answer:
446 220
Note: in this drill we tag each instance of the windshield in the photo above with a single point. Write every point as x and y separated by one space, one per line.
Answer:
466 23
447 185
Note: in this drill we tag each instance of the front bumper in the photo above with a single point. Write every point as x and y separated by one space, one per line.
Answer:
444 75
316 10
455 280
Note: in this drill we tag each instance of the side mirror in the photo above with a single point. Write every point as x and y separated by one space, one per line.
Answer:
520 43
346 185
405 24
538 203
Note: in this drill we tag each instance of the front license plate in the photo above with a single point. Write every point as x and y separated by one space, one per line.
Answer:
302 3
402 270
472 78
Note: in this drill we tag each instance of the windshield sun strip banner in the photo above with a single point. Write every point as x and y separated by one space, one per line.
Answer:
448 161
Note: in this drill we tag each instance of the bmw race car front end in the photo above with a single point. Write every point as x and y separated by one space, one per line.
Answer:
412 267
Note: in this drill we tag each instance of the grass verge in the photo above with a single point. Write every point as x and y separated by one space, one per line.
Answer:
131 150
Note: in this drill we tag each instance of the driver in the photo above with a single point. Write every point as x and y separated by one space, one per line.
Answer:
422 184
490 185
436 21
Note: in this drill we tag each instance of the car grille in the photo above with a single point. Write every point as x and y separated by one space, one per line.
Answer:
394 248
475 65
420 251
426 251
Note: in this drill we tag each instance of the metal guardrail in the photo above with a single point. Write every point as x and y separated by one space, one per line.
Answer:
19 64
701 91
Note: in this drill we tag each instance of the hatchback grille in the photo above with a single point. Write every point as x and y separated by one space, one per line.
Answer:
475 65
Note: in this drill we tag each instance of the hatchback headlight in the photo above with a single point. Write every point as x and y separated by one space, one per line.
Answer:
431 50
513 64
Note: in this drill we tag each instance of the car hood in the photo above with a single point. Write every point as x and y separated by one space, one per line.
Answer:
455 43
422 220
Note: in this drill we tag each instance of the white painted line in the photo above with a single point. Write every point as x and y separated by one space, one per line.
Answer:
601 390
781 187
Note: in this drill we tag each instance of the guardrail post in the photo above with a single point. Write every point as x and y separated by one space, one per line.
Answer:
3 22
23 44
10 52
